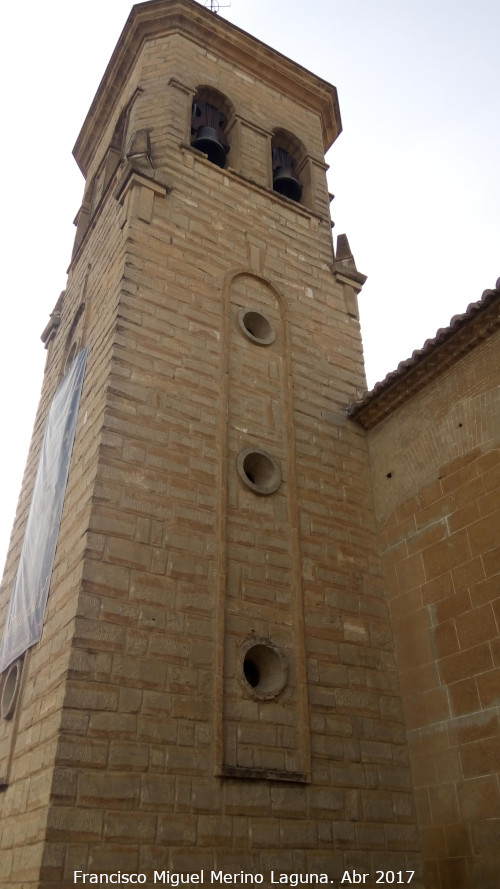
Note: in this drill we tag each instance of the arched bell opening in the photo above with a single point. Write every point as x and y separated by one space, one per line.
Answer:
74 340
287 155
209 123
285 179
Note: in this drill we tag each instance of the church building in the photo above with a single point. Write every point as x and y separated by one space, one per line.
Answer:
250 613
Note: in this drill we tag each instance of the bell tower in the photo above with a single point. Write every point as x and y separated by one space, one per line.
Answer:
215 688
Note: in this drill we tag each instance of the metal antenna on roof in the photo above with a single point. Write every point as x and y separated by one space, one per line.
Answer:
214 5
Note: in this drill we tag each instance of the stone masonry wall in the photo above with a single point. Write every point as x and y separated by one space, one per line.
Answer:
29 741
440 519
158 715
160 755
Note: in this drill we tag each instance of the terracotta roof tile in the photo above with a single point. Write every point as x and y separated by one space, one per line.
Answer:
367 409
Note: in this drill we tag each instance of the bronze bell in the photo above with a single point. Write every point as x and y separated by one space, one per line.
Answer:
286 183
206 140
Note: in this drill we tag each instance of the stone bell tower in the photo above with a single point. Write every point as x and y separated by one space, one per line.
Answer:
215 687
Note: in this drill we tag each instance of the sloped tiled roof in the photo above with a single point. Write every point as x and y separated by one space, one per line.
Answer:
463 333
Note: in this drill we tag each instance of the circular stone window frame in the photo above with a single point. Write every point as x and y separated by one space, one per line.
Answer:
10 689
271 665
265 464
267 334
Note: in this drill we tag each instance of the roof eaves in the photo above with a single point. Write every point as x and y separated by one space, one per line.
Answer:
463 333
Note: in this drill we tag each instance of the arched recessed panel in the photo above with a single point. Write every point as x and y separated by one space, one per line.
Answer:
262 560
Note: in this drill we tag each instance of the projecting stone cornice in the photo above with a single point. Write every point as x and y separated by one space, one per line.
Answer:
161 18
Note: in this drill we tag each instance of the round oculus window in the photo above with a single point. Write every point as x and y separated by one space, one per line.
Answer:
264 669
257 327
259 471
10 689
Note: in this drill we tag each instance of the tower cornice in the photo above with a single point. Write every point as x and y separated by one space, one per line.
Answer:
161 18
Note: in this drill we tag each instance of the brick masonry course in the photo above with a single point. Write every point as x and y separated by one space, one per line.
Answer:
137 742
438 515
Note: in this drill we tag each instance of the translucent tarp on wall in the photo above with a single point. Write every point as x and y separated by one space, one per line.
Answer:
27 605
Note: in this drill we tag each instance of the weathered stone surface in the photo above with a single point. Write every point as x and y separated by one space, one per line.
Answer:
440 555
217 684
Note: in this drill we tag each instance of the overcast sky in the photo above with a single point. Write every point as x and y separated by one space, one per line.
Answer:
415 172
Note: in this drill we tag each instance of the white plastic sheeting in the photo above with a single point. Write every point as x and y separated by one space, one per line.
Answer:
26 612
